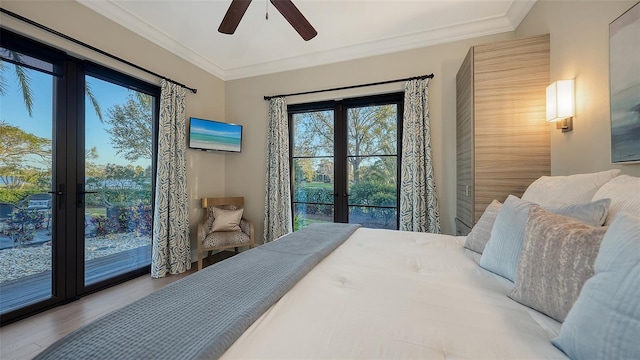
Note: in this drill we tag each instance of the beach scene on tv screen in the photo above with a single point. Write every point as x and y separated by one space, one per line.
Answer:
214 135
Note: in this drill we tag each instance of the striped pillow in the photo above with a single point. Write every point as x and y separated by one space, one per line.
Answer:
502 253
624 192
604 323
481 232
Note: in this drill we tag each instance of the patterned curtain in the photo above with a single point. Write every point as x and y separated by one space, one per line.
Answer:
418 202
171 245
277 199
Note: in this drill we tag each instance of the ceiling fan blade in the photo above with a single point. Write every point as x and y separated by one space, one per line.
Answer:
233 16
295 18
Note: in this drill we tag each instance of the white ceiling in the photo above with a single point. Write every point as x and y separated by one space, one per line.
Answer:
347 29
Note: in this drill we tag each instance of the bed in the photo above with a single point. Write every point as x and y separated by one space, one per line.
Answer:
342 291
392 294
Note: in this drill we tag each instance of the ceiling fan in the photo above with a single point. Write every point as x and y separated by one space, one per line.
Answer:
285 7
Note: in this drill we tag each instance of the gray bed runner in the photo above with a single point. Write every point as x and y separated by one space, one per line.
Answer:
201 315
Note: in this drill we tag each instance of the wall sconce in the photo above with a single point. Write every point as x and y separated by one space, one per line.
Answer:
561 104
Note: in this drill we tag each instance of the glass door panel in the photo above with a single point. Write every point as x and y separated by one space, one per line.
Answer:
26 168
313 168
313 195
372 165
118 194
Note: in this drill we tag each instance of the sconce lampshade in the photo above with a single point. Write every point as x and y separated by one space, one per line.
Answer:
560 100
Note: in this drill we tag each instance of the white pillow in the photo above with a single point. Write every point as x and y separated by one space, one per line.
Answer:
571 189
624 192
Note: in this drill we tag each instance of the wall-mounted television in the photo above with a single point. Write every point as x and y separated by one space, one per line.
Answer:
214 135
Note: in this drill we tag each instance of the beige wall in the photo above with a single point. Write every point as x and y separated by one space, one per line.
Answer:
205 170
245 105
580 49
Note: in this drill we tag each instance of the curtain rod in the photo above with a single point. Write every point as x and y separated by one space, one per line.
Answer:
66 37
421 77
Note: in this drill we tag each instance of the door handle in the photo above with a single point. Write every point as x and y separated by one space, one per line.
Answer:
60 194
82 193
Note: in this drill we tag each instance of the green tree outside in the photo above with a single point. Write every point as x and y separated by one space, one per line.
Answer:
131 127
372 174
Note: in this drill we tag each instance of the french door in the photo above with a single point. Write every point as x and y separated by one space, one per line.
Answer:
76 184
345 158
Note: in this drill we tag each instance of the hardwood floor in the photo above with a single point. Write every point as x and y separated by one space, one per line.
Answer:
26 338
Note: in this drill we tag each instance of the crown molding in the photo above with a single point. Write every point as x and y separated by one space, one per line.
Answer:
386 46
488 26
518 10
119 15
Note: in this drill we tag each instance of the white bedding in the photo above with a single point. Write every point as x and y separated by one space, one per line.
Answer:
392 294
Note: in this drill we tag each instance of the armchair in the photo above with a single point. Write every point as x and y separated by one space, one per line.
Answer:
230 230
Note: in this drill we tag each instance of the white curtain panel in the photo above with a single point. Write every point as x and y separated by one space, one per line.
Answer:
418 201
277 199
171 245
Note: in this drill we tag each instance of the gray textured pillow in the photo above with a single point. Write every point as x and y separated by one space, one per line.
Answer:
502 253
226 220
557 258
481 232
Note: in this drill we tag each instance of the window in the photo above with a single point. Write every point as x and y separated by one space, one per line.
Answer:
345 158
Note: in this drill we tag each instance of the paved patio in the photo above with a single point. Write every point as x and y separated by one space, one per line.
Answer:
34 288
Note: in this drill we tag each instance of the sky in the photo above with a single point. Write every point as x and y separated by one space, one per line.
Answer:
14 111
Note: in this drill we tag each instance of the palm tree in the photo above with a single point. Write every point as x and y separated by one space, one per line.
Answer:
24 82
93 100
